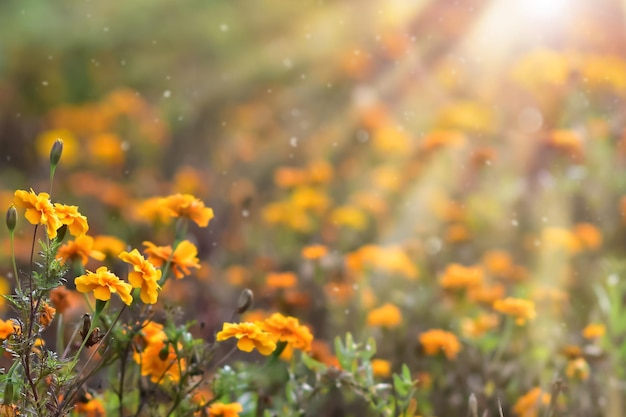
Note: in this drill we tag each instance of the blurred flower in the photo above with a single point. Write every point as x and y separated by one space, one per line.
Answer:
558 238
572 351
109 245
225 410
528 405
349 216
106 148
588 235
320 172
604 71
5 290
541 68
81 247
498 262
456 233
144 276
308 198
285 213
184 257
90 408
249 336
594 331
437 340
39 210
7 328
103 283
566 141
486 294
457 277
388 315
62 299
438 139
152 210
392 140
521 309
474 328
288 329
288 177
69 215
391 259
159 360
186 205
466 116
314 252
46 314
281 280
386 178
189 180
381 368
577 369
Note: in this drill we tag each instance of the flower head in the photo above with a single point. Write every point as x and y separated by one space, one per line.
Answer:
594 331
381 368
69 215
522 310
81 247
186 205
288 329
528 404
144 276
250 336
39 210
437 340
461 277
388 315
160 361
103 282
225 410
281 280
185 256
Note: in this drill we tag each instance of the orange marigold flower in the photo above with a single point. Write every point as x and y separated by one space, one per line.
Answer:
249 336
381 367
474 328
186 205
288 329
437 340
314 252
594 331
91 408
527 405
185 256
487 294
103 282
160 361
109 245
522 310
69 215
281 280
46 314
60 298
144 276
349 216
81 247
39 210
498 262
7 328
225 410
388 315
577 369
461 277
588 235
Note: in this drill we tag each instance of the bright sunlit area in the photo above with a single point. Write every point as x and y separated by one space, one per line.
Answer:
386 208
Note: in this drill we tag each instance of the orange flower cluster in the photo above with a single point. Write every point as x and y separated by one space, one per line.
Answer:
185 256
277 280
390 259
288 329
457 277
158 357
528 405
144 275
225 410
80 248
522 310
437 340
314 252
594 331
388 315
103 283
40 210
249 336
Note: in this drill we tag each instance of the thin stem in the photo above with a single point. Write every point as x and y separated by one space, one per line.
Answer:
181 230
17 277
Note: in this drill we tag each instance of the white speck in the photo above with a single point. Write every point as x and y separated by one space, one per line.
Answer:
347 311
224 27
612 280
245 213
44 83
514 222
287 62
125 145
433 245
537 243
293 141
105 29
167 93
123 62
488 162
544 219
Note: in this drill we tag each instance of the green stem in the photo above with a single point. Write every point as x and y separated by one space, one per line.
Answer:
17 278
508 332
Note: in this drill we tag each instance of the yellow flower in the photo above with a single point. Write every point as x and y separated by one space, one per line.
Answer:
249 336
388 315
103 282
69 215
109 245
39 210
186 205
461 277
184 257
349 216
588 235
474 328
436 340
498 262
527 405
288 329
521 309
594 331
159 360
577 369
381 367
225 410
46 314
81 247
144 276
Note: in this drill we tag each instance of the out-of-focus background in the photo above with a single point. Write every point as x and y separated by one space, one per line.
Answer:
403 135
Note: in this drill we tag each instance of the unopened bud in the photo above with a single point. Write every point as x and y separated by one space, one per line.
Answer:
56 152
473 406
245 301
11 218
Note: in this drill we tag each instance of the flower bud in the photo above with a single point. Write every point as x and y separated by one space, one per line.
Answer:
164 352
55 152
11 218
245 301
